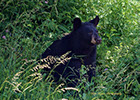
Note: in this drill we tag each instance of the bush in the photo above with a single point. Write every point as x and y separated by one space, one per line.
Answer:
27 28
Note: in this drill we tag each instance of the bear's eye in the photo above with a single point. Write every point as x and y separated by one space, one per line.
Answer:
90 33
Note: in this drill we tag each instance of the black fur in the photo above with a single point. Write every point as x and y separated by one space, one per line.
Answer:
79 43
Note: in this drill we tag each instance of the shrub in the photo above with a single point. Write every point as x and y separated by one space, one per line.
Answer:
27 28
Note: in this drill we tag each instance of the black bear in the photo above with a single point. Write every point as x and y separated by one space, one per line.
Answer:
81 41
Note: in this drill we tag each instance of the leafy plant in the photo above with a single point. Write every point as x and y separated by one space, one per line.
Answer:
28 27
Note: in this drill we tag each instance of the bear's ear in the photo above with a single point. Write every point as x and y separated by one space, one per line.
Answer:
95 21
76 23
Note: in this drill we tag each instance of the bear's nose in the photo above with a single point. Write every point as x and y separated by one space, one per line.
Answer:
99 40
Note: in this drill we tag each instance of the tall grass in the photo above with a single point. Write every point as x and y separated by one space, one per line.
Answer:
27 28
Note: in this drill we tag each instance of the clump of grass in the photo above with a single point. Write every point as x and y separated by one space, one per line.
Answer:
29 77
27 28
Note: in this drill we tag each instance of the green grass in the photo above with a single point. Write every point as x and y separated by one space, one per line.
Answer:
27 28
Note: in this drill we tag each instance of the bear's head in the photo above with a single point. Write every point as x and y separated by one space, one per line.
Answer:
87 31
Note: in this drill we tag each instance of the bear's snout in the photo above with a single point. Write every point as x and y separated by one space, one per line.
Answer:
96 41
93 41
99 40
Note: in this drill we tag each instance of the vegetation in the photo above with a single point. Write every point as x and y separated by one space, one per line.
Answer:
28 27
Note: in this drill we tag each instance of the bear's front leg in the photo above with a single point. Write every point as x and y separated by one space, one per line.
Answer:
73 73
91 72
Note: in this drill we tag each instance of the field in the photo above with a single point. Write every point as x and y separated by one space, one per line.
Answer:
28 27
